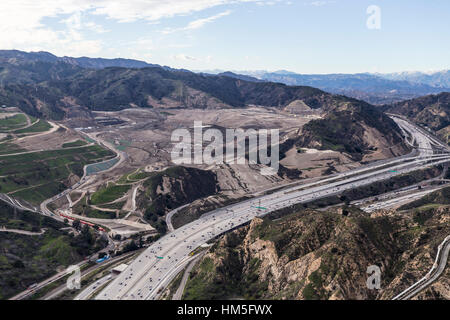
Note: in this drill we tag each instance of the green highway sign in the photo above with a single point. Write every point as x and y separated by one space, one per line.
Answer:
259 208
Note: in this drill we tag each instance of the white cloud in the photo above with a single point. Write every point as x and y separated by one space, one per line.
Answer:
187 60
74 21
23 25
320 3
196 24
200 22
179 45
184 57
126 11
95 27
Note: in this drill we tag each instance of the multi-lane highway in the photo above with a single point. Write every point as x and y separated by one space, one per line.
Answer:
29 292
147 275
90 290
396 199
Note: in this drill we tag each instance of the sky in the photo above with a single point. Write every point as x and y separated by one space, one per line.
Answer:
303 36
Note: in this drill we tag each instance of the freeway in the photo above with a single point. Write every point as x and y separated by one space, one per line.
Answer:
29 292
398 199
90 290
86 273
438 267
148 274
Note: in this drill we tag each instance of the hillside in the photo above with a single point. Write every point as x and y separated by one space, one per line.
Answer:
45 85
357 130
37 176
70 90
16 56
323 255
119 88
172 188
432 111
27 259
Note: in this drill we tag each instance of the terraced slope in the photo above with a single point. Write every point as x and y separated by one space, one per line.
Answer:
38 176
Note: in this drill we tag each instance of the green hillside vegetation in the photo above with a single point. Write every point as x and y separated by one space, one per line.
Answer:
37 194
115 205
98 214
134 176
440 197
83 208
8 148
77 143
40 126
40 175
109 193
13 122
25 260
184 185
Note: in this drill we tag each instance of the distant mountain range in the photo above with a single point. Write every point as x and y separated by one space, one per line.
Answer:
44 85
16 56
373 88
440 79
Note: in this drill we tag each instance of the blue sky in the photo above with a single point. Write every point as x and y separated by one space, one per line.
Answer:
296 35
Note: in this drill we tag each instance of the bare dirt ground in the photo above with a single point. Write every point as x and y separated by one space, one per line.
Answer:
4 115
384 149
314 162
255 117
144 135
48 140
